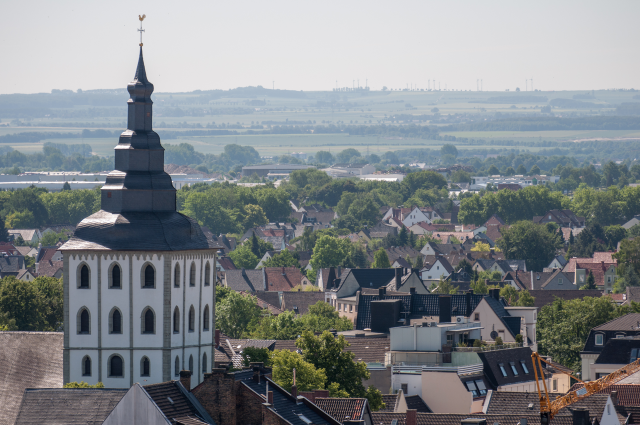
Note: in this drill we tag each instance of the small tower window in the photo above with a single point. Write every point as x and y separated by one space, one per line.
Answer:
115 366
116 322
149 277
192 275
205 318
148 321
204 363
145 366
115 277
207 274
191 364
176 320
192 319
86 366
84 277
83 318
176 366
176 276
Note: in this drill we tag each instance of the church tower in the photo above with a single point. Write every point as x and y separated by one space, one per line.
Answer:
139 286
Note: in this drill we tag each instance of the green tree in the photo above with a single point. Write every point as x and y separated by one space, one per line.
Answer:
308 376
82 384
251 216
51 291
235 313
563 326
324 157
449 149
445 287
424 180
521 170
20 220
510 294
628 256
525 299
283 259
365 211
630 278
254 355
328 252
591 282
24 303
614 234
461 176
403 238
534 171
322 316
380 260
243 257
493 170
530 242
52 238
207 212
4 234
328 353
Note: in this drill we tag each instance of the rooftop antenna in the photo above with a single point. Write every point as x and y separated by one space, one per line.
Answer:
141 18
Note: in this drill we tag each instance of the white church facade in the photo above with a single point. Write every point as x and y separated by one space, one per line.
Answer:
139 277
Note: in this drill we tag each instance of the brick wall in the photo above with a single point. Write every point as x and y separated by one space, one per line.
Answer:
271 418
248 406
217 395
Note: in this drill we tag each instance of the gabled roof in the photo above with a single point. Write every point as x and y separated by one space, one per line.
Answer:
401 262
369 278
299 301
282 278
494 220
287 407
26 364
390 402
245 280
431 261
512 323
491 361
544 297
523 280
417 403
343 408
177 404
518 403
69 406
50 268
10 264
628 394
624 323
227 263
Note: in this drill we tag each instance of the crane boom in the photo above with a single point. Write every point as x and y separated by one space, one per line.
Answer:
548 408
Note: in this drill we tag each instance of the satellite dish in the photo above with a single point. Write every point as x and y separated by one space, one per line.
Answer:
494 335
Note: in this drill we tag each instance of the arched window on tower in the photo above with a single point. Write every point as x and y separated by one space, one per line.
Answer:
115 322
204 363
176 320
84 324
207 274
191 364
176 276
148 321
192 275
115 277
176 366
192 319
149 277
86 366
84 277
145 366
205 318
116 366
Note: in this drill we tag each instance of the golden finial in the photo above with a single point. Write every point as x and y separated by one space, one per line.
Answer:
141 18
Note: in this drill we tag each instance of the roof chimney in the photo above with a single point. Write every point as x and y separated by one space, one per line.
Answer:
283 272
444 307
412 417
398 277
614 397
412 290
382 292
185 379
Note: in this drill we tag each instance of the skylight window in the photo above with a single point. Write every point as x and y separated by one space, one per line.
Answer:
502 369
524 367
481 388
471 386
513 368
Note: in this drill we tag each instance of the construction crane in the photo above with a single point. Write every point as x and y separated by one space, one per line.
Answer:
548 408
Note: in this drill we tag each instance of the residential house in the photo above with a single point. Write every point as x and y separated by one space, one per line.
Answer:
314 214
563 218
616 353
432 248
30 236
545 297
424 228
70 406
29 360
379 231
8 249
494 226
27 251
296 301
51 268
245 280
435 269
225 263
454 237
633 222
558 262
395 252
401 263
345 410
166 402
603 273
501 266
407 280
625 326
25 275
328 278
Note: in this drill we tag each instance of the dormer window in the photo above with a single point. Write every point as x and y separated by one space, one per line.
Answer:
502 369
513 368
524 367
599 339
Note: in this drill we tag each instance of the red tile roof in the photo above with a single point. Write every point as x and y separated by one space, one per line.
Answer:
282 278
342 408
628 395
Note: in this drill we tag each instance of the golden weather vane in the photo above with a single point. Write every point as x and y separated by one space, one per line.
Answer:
141 18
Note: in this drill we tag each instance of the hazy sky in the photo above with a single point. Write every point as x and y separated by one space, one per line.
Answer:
308 45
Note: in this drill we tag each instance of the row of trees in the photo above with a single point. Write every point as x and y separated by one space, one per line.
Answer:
31 306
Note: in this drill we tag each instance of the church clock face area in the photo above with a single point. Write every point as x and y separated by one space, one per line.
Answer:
139 277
